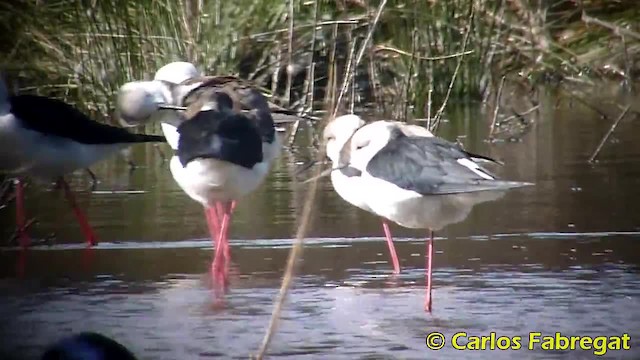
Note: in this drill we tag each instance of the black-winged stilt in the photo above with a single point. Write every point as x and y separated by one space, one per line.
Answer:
335 140
221 158
45 139
419 182
225 139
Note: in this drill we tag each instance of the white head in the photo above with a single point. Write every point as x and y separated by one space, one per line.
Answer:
138 101
177 72
366 143
338 132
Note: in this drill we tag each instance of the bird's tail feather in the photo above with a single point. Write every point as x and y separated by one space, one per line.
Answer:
492 185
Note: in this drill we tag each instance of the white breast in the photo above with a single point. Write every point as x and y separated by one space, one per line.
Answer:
209 180
350 189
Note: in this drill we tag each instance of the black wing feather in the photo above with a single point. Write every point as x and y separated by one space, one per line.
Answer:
55 117
248 98
220 135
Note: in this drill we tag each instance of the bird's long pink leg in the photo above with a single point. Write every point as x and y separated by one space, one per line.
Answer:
224 231
91 237
213 223
219 262
218 213
429 260
392 248
220 209
21 219
229 207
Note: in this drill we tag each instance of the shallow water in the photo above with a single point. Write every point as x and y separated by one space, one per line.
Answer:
558 257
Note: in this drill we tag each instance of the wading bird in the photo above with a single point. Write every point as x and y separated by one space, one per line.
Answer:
45 139
223 134
420 182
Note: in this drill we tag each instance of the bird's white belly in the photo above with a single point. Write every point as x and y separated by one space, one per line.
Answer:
350 189
412 210
210 180
46 157
61 156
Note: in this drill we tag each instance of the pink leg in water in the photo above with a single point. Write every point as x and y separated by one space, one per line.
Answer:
229 207
219 266
392 248
429 259
223 237
91 237
21 219
213 223
219 210
217 213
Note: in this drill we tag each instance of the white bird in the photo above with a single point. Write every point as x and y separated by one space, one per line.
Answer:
225 139
419 182
336 134
45 139
335 139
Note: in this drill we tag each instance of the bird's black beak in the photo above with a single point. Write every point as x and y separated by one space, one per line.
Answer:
305 167
346 169
324 173
171 107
